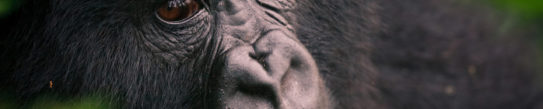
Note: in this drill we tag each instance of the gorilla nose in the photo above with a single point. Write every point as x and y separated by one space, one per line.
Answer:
276 71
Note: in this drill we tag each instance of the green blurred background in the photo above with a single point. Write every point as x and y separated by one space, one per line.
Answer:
7 6
526 13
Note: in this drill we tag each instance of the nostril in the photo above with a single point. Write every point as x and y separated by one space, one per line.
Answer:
260 57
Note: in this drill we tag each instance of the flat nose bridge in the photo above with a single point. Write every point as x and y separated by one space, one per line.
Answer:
238 20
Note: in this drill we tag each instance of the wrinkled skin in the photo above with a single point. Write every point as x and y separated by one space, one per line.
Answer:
247 54
264 66
231 54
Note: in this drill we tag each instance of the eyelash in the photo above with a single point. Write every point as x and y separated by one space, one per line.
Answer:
176 3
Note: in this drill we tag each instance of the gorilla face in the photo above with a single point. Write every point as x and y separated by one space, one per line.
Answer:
265 64
170 53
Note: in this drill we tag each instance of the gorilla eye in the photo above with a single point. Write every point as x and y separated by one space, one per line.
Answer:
175 10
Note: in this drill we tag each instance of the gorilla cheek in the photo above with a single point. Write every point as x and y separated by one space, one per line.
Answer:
274 72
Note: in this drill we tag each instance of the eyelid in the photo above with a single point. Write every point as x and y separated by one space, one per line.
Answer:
177 22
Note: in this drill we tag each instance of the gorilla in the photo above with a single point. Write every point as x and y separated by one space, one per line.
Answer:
245 54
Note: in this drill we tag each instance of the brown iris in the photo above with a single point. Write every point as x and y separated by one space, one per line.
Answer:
175 10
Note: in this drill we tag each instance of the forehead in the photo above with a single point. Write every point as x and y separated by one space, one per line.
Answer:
149 5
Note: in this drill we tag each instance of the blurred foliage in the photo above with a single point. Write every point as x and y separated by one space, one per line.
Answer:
531 9
86 102
50 101
7 6
7 100
528 14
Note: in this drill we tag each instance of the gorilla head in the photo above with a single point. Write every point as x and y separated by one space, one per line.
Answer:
299 54
166 53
